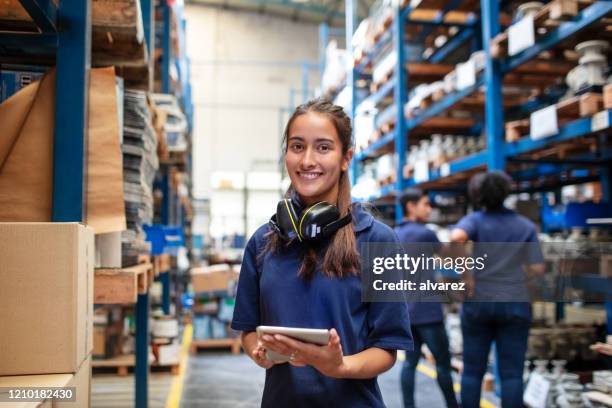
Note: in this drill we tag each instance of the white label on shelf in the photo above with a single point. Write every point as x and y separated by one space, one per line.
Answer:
543 123
536 391
445 170
600 121
466 74
521 35
421 171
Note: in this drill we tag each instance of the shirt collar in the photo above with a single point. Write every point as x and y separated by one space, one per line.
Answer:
362 219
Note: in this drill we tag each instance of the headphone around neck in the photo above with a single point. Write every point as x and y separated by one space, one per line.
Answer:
318 221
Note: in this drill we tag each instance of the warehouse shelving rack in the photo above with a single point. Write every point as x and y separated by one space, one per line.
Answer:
499 153
65 36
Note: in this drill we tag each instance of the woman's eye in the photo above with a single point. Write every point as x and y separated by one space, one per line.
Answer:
296 147
324 148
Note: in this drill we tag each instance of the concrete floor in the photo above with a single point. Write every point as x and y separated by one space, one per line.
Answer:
112 391
220 380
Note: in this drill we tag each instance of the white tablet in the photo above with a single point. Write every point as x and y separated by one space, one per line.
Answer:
314 336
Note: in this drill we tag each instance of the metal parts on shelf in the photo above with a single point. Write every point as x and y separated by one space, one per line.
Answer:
593 66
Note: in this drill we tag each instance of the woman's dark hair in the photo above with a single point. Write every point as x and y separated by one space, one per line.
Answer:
489 190
341 257
412 195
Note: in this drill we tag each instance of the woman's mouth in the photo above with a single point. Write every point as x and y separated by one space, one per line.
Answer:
309 175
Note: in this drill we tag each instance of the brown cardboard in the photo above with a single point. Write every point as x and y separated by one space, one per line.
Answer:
99 341
212 278
46 297
81 381
26 154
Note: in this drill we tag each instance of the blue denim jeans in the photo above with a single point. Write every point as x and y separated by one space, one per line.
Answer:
434 335
506 324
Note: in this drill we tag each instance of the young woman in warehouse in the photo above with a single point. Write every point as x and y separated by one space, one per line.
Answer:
303 270
508 268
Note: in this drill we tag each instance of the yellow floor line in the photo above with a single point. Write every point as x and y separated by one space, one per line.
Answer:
176 390
431 373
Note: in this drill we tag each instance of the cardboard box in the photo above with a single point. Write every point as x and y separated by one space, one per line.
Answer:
81 381
46 297
212 278
169 354
99 341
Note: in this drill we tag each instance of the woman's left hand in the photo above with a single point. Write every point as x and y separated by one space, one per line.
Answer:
327 359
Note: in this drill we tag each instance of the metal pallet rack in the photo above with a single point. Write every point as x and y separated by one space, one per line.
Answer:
499 154
65 37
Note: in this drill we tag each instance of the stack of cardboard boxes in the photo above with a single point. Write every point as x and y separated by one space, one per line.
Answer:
46 308
213 308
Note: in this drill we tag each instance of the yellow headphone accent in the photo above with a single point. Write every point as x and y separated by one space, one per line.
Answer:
292 221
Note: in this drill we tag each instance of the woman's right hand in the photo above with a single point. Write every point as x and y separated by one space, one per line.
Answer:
259 356
253 348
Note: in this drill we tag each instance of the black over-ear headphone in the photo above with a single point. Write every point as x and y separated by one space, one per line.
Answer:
316 222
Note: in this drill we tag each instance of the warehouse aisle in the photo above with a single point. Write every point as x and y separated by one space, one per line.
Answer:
221 380
111 391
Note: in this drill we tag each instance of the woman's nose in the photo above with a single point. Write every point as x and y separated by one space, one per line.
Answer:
308 159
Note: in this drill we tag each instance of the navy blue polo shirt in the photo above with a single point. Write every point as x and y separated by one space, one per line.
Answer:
503 276
270 293
412 233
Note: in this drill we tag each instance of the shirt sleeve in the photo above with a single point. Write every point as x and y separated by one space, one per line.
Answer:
533 251
246 310
388 322
468 224
389 326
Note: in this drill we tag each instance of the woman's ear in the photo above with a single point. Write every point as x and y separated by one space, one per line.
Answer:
346 160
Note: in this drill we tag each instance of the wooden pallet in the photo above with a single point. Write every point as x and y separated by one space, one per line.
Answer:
121 285
549 16
580 106
122 365
233 344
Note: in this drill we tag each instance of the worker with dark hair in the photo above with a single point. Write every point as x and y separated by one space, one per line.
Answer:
485 319
426 318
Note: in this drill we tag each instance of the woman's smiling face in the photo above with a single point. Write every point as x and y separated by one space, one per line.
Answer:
314 158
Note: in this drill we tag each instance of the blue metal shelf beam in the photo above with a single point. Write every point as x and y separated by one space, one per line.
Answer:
72 78
379 144
467 163
442 105
588 16
43 12
382 93
451 45
575 129
401 96
494 111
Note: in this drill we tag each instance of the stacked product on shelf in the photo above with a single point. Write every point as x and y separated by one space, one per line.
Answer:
214 288
108 332
174 122
165 340
140 163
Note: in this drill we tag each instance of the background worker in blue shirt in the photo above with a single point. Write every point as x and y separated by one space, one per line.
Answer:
426 318
514 257
303 270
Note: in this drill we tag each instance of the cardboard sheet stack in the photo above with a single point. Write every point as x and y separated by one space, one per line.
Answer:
139 165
